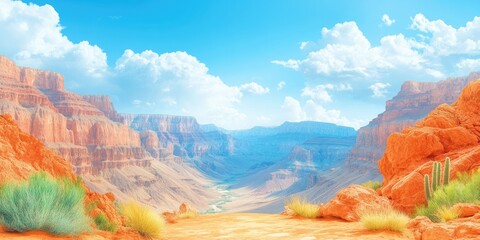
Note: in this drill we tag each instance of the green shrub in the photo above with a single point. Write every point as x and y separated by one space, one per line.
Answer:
103 223
303 208
464 189
44 203
372 184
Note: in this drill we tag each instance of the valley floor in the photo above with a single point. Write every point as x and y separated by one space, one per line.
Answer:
270 226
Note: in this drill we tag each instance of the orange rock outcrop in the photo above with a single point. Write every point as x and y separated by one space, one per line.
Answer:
414 101
448 131
351 201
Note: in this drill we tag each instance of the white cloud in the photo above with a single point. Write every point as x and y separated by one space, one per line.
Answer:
32 36
445 40
254 88
320 92
203 95
379 89
304 45
469 65
311 111
387 20
347 51
281 85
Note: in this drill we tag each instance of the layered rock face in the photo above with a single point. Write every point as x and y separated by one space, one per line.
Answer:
75 128
91 135
184 136
414 101
22 154
448 131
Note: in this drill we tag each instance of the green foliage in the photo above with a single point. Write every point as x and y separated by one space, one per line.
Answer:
427 187
463 190
372 184
104 224
436 183
446 172
44 203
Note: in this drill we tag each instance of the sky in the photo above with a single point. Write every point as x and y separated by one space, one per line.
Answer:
246 63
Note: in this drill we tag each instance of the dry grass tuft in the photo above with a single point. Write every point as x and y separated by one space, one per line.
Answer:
303 208
446 214
143 220
387 219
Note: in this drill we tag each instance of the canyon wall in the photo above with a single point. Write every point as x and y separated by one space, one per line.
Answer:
414 101
92 136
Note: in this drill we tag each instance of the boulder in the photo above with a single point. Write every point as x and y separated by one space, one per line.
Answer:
351 201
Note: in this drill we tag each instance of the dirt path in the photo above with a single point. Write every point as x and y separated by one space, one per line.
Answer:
236 226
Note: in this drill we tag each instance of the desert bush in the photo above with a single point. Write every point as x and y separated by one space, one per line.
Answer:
464 189
386 219
143 220
43 203
446 214
372 184
104 224
303 208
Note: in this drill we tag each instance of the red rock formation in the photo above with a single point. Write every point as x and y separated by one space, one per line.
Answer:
448 131
104 104
76 128
414 101
22 154
350 201
109 155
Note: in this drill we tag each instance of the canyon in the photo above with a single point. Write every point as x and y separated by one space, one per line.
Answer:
164 160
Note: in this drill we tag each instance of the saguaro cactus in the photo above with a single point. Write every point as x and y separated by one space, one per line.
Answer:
446 171
427 187
436 173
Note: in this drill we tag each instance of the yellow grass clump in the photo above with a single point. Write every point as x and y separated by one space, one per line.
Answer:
303 208
446 214
387 219
143 219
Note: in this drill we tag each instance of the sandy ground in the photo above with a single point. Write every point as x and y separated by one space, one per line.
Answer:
270 226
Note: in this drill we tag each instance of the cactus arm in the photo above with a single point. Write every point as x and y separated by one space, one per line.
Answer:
446 173
434 177
427 187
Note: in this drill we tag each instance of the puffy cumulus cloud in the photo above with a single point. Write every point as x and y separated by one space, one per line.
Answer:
254 88
347 51
445 40
387 20
191 87
32 36
281 85
311 111
468 65
320 92
379 89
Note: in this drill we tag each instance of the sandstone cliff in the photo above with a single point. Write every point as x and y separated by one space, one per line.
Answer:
414 101
90 134
448 131
22 154
185 137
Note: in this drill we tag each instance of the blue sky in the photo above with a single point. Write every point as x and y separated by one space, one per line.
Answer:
223 61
